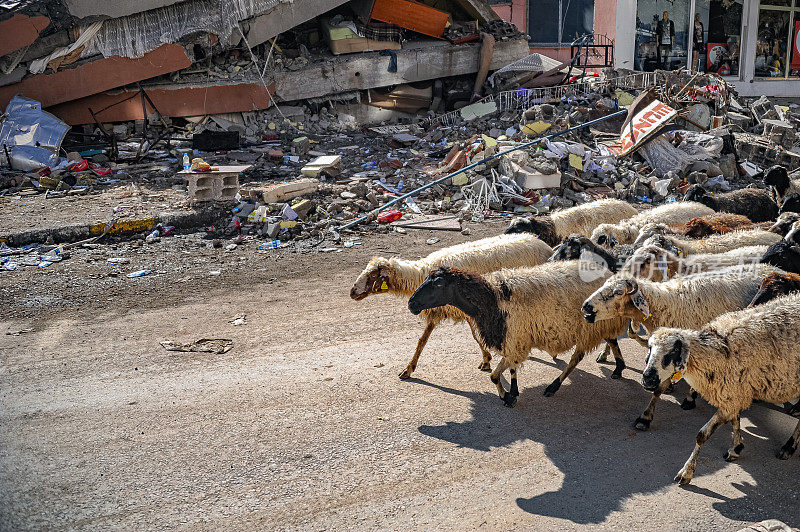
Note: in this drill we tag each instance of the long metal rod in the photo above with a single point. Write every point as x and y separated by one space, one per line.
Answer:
473 165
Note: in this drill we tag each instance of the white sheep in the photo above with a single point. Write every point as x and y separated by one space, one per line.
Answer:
687 301
517 310
658 264
738 358
581 219
719 243
626 231
402 277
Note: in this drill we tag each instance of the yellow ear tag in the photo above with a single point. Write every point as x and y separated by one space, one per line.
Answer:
676 376
384 286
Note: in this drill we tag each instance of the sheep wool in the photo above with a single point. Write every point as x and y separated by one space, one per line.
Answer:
739 357
402 277
580 219
626 231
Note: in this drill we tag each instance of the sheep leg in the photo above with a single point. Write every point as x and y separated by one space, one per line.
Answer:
643 421
690 401
577 356
487 357
495 377
510 398
790 446
618 360
406 373
686 473
738 442
602 358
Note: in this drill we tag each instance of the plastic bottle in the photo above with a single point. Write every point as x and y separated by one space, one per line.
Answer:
186 162
273 244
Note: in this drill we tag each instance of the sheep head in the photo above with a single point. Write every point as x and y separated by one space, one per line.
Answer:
375 279
618 297
652 262
777 178
700 195
570 248
784 223
793 235
775 285
791 203
542 227
649 230
603 235
439 288
667 356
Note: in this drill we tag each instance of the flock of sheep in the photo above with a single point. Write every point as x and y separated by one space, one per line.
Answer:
713 282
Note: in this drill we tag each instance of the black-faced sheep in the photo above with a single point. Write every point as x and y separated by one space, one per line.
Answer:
791 203
781 185
658 264
739 357
681 302
580 219
721 243
517 310
785 254
402 277
784 223
754 203
776 285
577 246
626 231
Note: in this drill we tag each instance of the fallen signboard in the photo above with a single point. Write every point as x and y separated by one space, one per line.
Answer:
643 126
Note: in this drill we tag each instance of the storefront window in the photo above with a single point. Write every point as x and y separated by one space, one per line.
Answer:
716 30
777 55
662 35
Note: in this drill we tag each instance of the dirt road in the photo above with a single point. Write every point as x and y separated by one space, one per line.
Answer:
305 425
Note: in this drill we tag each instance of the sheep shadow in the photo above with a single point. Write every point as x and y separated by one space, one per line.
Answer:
586 432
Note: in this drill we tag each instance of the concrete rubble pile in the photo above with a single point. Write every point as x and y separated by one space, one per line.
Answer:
327 145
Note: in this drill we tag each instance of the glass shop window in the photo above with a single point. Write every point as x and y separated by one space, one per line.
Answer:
559 22
662 35
777 53
716 36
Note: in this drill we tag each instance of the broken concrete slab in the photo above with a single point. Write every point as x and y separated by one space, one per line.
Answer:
417 62
97 76
291 190
477 110
91 8
20 31
330 164
173 101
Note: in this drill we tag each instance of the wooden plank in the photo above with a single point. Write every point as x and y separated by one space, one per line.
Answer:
411 16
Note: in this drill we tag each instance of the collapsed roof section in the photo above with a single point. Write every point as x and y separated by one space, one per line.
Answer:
293 49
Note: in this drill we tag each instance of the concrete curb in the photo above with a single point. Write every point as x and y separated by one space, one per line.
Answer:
73 233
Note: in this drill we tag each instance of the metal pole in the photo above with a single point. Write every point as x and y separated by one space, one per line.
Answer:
473 165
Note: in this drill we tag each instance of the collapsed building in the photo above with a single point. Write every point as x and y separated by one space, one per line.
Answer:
87 61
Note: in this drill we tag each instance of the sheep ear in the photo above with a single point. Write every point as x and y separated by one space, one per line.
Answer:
639 302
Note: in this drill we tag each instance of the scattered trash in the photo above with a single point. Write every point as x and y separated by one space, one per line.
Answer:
241 319
432 241
139 273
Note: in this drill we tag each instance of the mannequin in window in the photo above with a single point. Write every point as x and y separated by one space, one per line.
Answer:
665 34
697 41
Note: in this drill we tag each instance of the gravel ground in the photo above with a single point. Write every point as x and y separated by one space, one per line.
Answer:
304 423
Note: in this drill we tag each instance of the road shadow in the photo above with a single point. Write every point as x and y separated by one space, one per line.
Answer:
586 431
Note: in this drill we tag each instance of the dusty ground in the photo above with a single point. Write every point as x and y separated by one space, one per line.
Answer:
304 424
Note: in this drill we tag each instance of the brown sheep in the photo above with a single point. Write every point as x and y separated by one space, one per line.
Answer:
775 285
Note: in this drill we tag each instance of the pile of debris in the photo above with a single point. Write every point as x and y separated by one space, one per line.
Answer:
301 171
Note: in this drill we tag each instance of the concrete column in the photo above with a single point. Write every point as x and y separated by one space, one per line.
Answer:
625 34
